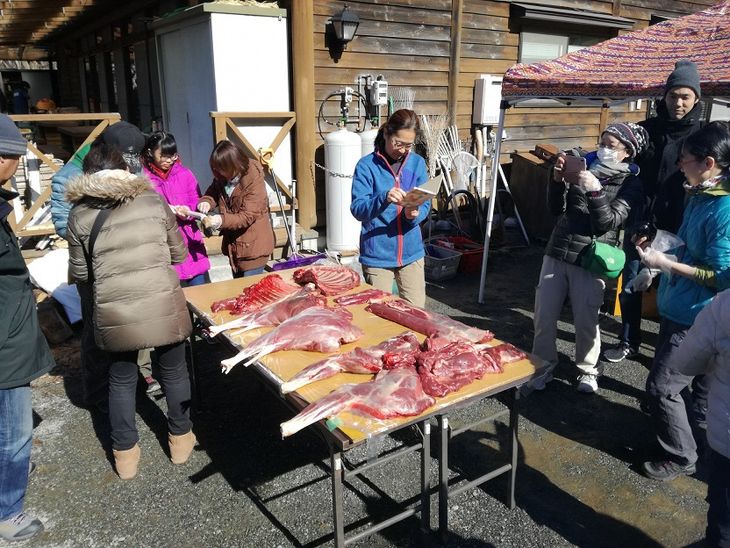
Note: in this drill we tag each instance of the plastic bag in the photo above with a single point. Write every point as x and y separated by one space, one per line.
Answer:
664 241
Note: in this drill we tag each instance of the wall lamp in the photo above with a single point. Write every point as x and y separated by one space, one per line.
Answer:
345 25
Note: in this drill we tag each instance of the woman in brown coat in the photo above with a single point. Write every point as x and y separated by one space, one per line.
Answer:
239 193
123 239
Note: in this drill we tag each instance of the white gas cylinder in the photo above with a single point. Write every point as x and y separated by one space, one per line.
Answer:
368 141
341 154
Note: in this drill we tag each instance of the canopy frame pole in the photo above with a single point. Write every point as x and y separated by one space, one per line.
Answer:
492 197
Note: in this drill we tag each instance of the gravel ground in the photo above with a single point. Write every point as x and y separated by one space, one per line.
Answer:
577 482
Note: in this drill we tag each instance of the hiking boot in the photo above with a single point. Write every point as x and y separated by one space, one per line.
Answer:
127 461
181 447
620 352
667 470
540 382
152 385
588 383
20 527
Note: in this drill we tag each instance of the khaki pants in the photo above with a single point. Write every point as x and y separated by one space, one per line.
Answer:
559 280
410 279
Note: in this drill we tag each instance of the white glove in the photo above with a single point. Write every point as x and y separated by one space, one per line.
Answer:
204 207
656 259
213 222
642 281
588 182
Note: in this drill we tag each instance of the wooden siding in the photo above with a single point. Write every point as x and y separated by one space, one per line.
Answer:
408 42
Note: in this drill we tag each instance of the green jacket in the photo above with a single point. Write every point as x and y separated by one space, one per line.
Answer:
24 352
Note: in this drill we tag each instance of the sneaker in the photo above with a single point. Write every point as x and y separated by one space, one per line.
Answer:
620 352
20 527
666 470
540 382
588 383
152 385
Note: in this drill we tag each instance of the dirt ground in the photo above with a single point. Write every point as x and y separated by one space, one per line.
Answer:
577 482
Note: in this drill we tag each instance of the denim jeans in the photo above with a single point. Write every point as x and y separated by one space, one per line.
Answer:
671 403
170 369
252 272
718 495
16 430
630 302
200 279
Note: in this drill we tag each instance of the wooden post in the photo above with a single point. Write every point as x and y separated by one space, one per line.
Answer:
616 7
603 122
457 8
302 25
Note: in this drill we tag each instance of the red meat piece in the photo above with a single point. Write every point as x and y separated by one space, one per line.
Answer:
331 280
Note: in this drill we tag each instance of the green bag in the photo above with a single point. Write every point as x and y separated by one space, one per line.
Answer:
603 259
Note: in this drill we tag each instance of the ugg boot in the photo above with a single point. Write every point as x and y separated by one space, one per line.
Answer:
181 447
127 461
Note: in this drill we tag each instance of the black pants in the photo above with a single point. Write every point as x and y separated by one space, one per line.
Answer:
718 495
170 370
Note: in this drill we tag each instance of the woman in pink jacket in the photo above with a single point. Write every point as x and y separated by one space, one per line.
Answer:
179 188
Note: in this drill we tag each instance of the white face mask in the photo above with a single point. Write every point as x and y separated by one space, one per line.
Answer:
607 155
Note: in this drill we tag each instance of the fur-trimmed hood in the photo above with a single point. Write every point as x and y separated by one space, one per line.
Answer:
109 187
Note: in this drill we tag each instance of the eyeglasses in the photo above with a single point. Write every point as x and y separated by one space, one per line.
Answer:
166 158
401 144
681 163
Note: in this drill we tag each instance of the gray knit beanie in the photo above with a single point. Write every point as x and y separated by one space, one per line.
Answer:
11 141
633 136
684 75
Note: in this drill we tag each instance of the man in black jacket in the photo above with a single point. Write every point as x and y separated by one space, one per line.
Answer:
678 116
24 355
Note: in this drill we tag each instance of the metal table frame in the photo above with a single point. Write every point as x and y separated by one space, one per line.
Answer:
338 444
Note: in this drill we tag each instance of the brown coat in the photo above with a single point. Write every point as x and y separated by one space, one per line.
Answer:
138 302
248 239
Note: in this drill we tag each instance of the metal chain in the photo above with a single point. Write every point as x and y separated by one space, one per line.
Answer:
333 173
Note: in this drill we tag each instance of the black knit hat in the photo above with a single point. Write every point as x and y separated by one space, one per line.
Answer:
633 136
127 139
684 75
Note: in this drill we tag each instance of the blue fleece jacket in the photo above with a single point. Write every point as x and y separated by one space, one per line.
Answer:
60 207
706 232
387 238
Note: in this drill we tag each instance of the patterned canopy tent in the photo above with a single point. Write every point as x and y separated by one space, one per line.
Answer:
634 65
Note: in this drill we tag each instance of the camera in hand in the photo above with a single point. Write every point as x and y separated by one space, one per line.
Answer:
645 230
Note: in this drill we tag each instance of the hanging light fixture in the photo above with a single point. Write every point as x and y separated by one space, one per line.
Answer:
345 25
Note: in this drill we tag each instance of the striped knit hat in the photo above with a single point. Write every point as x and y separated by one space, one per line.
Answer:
632 135
11 141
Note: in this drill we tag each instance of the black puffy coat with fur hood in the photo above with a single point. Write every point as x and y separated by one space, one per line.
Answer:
138 302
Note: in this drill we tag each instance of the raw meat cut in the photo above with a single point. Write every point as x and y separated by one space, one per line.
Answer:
397 351
265 292
331 280
503 353
274 314
393 393
315 329
452 367
428 323
447 368
362 297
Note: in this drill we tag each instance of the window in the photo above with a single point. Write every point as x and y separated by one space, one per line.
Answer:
536 46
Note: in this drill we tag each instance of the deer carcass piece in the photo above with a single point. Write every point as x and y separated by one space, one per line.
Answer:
315 329
428 323
331 280
452 367
362 297
263 293
393 393
502 354
275 314
397 351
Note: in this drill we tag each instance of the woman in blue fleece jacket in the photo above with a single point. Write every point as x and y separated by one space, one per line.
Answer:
390 239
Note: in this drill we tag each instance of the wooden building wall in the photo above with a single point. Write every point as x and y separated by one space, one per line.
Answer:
409 42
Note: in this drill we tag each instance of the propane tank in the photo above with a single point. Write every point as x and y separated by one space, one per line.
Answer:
368 141
341 154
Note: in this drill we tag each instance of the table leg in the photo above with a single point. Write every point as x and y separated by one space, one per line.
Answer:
426 477
193 374
513 417
337 510
443 422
